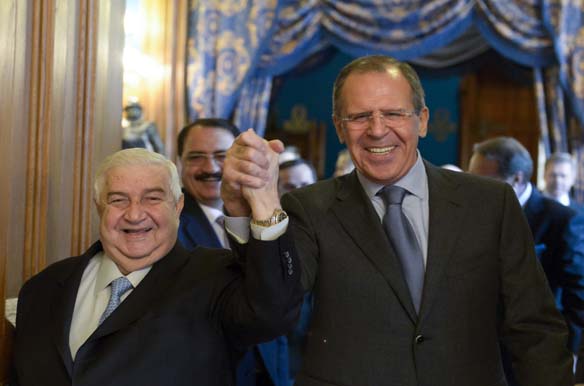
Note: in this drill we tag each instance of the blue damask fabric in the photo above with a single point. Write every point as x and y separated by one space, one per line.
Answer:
235 47
551 109
225 40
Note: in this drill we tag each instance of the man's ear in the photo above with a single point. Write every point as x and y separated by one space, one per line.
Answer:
424 118
180 204
339 128
518 181
98 206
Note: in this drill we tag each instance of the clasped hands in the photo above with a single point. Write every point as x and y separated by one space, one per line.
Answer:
249 185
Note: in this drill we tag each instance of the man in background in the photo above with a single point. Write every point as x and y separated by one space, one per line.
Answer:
418 274
557 230
201 149
173 317
559 176
344 164
294 174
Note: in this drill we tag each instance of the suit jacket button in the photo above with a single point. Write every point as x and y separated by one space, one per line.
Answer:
419 339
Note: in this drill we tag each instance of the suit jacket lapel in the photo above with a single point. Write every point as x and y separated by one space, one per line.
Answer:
446 209
63 304
151 288
356 215
534 212
196 226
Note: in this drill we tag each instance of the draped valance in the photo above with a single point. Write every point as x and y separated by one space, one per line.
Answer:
236 47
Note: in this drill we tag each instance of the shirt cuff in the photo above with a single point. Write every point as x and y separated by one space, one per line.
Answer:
239 229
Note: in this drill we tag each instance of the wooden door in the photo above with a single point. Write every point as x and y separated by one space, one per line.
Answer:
498 100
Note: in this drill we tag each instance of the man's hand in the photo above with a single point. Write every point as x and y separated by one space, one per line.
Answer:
250 176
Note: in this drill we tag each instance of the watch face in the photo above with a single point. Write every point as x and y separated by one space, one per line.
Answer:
281 216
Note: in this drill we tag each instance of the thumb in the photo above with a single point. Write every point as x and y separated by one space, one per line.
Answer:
276 145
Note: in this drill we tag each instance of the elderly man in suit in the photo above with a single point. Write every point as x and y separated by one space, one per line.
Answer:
418 273
173 317
201 150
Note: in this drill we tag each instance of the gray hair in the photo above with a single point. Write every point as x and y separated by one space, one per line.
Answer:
378 63
511 156
561 157
136 157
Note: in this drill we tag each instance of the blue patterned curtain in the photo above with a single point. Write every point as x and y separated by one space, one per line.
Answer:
225 40
551 109
235 47
252 107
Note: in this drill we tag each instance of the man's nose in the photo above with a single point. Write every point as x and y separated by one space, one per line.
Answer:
377 125
211 164
135 212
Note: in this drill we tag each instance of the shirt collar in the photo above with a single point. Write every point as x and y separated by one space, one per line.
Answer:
109 271
524 196
415 181
564 199
211 213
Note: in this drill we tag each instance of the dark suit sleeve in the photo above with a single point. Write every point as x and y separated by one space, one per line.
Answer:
304 239
572 278
263 301
533 331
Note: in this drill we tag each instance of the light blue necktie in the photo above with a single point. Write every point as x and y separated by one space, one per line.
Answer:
120 286
404 242
225 242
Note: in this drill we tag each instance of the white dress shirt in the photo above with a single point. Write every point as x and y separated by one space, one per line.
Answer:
523 197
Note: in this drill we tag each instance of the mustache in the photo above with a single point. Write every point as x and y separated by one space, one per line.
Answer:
205 176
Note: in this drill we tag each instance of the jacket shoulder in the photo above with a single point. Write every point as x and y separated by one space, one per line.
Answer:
319 195
55 272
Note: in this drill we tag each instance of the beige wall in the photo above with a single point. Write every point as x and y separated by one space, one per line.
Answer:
61 87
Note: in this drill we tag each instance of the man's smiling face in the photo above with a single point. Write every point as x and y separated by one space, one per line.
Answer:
382 151
139 216
202 163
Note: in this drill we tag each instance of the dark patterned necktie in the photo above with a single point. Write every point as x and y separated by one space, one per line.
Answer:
403 240
120 286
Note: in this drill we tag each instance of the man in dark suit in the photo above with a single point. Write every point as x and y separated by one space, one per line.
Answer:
201 150
558 231
173 317
376 320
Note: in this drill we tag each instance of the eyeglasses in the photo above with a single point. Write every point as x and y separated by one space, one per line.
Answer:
361 120
198 159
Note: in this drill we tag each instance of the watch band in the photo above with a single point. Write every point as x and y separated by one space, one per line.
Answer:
277 217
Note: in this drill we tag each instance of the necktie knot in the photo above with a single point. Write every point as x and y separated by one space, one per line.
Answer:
392 194
119 287
220 220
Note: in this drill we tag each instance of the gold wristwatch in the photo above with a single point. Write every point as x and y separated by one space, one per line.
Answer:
277 217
